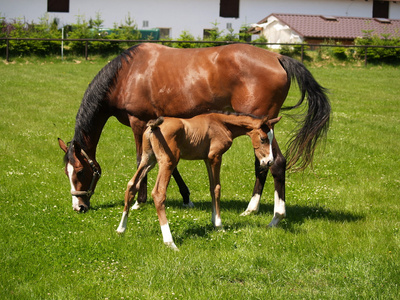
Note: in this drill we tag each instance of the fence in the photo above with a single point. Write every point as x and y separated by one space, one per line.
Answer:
87 41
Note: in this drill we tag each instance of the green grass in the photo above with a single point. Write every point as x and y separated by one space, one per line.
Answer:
341 237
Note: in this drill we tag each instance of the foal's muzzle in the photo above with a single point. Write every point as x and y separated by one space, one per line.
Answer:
266 163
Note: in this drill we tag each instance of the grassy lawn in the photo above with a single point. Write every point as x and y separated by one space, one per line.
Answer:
341 237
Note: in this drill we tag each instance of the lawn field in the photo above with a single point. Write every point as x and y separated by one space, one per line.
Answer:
341 237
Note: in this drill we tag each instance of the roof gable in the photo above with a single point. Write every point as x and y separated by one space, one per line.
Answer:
317 26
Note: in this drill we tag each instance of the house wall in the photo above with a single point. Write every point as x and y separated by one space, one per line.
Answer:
191 15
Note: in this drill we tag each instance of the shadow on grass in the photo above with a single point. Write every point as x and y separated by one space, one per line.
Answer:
296 214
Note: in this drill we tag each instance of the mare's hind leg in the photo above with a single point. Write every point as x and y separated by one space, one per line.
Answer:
278 170
254 204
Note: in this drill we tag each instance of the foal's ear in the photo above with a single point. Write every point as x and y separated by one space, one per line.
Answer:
272 122
62 145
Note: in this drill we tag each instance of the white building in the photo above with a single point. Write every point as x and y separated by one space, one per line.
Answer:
194 16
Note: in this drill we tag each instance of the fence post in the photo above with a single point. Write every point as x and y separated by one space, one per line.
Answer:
365 56
8 46
86 49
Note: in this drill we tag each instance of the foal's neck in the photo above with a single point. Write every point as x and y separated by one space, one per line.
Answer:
238 124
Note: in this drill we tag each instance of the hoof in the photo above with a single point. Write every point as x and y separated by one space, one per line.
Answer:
120 230
138 205
189 205
172 246
276 219
248 213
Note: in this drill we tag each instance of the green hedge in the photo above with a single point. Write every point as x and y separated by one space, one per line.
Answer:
389 55
92 29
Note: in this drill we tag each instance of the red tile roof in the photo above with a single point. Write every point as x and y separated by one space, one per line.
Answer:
317 26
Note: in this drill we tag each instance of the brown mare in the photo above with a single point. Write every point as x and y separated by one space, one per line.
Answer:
150 80
204 137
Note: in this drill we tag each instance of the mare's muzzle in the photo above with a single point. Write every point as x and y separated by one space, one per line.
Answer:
84 204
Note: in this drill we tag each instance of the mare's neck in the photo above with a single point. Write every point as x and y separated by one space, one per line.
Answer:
88 131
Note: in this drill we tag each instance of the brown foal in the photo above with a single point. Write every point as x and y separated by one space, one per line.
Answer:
204 137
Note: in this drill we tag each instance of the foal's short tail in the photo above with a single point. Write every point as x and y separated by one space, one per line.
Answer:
315 122
153 124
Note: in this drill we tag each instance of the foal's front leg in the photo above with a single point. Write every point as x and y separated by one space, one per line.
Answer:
214 168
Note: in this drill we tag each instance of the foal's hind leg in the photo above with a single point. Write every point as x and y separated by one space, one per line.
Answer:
159 196
133 186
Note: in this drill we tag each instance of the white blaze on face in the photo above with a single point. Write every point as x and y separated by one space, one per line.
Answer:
270 159
75 200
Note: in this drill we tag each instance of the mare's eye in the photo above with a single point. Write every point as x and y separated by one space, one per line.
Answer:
80 173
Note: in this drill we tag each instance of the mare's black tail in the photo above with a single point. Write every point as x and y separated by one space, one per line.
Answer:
315 122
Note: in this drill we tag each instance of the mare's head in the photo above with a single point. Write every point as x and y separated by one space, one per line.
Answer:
83 174
262 137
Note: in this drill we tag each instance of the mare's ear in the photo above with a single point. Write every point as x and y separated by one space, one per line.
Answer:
62 145
272 122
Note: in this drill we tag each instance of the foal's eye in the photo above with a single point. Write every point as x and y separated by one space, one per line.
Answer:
264 140
80 173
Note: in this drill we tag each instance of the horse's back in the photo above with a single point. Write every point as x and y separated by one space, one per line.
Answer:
163 81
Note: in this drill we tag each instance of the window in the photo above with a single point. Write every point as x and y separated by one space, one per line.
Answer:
145 23
58 5
229 8
380 9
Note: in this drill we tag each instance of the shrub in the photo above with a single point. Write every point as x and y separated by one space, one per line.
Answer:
378 54
19 28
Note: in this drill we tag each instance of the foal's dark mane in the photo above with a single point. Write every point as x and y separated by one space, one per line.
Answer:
96 97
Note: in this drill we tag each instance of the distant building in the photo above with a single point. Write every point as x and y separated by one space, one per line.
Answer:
172 17
316 29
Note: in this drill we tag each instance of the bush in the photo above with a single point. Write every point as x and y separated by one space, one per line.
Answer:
378 54
19 28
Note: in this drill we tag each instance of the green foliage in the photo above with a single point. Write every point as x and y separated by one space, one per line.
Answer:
340 240
184 37
93 29
379 54
19 28
262 39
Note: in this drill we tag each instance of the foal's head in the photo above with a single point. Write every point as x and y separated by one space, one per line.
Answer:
83 174
262 137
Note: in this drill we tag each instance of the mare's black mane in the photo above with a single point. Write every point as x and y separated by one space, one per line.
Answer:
96 97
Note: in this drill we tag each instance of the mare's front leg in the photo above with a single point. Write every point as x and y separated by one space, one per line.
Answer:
183 189
159 196
261 176
214 168
278 170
